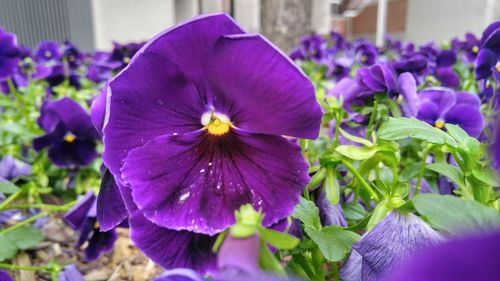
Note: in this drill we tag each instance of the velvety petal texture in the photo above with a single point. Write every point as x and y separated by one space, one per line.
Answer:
224 173
389 243
111 209
171 248
460 259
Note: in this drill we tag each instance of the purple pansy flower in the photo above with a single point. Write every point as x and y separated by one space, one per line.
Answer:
184 274
70 273
123 53
339 69
439 106
48 51
9 54
330 214
4 276
83 218
366 53
489 55
205 136
73 56
388 244
11 168
70 136
460 259
239 254
59 75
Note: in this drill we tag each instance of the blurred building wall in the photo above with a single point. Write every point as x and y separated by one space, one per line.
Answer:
444 19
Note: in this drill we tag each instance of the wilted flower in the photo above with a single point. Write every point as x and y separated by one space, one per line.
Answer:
70 136
193 131
461 259
439 106
70 273
83 218
8 54
388 244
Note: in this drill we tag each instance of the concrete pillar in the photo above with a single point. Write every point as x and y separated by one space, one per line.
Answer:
129 20
247 14
186 9
320 18
211 6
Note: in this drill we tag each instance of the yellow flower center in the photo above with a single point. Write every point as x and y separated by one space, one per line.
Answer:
69 138
497 67
126 60
439 124
47 54
216 124
475 49
364 58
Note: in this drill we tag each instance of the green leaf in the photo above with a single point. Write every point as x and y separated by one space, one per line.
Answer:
356 152
449 171
396 128
307 212
316 178
357 139
268 261
456 132
333 241
280 240
7 248
410 172
332 186
383 208
486 175
455 215
8 187
354 211
25 237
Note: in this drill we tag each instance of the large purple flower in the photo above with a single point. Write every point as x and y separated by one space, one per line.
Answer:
70 136
462 259
388 244
83 218
439 106
193 130
8 54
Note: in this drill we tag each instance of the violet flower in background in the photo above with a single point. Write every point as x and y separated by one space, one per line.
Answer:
59 75
9 54
72 55
439 106
330 214
460 259
4 276
48 51
386 246
123 53
70 135
366 53
312 47
11 168
70 273
83 218
489 55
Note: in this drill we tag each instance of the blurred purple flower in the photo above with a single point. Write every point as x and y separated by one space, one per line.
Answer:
123 53
439 106
11 168
389 243
70 273
72 55
9 54
460 259
48 51
83 218
366 53
70 135
4 276
487 61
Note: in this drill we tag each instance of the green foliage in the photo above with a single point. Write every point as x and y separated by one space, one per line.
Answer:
19 239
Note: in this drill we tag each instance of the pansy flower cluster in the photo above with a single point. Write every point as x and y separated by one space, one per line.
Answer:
228 159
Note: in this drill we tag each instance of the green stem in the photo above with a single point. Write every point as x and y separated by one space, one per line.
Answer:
20 267
353 170
24 222
52 208
337 129
422 168
373 116
10 199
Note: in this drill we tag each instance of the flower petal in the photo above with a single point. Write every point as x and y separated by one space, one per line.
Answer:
261 88
408 89
195 182
76 216
151 98
111 209
170 248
